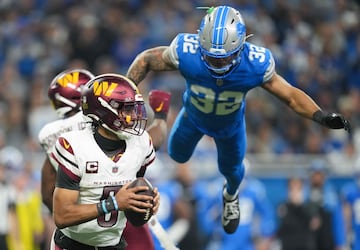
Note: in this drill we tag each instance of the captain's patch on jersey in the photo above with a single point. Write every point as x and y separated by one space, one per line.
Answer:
92 167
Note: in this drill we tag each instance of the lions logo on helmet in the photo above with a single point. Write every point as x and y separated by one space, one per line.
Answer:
222 36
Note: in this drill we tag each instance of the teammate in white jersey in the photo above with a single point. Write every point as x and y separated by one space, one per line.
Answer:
96 165
64 94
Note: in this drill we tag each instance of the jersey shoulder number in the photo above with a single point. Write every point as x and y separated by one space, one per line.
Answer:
256 53
261 60
190 43
186 43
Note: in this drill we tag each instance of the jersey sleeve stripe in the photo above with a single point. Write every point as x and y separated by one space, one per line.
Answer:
151 153
270 70
57 150
150 142
172 52
151 156
66 159
148 162
68 172
143 168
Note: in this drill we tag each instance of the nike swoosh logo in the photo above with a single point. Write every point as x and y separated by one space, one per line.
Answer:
159 108
66 145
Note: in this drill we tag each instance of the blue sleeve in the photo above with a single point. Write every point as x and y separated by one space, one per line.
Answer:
259 62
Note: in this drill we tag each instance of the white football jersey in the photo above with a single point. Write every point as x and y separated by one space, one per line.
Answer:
79 157
51 131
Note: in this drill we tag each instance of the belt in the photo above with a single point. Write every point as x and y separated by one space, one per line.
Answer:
67 243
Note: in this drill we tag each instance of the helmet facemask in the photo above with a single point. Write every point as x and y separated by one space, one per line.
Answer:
222 36
220 65
131 119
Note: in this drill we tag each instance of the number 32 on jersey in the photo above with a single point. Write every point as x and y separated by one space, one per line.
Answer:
205 99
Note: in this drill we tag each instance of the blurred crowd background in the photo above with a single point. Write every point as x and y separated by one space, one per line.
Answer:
316 45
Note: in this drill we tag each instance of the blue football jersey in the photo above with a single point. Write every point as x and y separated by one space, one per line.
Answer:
208 99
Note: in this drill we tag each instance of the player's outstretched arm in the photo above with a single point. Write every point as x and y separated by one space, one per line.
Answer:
155 59
303 104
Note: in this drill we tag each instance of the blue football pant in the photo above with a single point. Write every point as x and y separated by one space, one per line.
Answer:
184 136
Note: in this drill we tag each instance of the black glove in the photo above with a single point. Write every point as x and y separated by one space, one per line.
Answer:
332 120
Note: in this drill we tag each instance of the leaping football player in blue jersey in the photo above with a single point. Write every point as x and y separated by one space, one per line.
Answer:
220 67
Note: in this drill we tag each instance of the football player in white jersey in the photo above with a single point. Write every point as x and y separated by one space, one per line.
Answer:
95 167
64 94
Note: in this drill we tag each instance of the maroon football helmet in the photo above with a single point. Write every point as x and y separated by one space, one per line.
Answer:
114 102
65 90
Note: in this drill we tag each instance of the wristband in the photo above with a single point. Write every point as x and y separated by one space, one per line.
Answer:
104 207
108 205
99 209
116 207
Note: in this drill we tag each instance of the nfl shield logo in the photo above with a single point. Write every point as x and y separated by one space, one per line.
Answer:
115 169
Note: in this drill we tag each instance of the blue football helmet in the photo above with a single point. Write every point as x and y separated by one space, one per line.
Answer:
222 36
